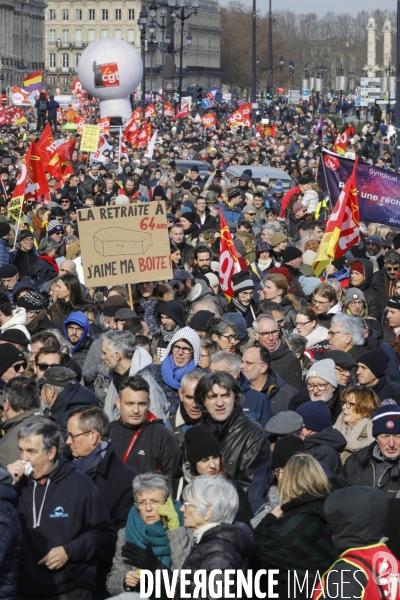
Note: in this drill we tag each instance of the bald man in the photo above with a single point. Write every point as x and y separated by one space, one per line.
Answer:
68 266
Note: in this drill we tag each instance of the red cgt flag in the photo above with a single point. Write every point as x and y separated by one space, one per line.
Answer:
104 125
183 113
36 182
150 111
168 110
343 139
143 137
209 120
48 152
228 260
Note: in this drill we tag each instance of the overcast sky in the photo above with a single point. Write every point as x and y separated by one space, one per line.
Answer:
322 6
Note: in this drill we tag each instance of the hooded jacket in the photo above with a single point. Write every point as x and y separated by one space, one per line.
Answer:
256 404
9 451
80 350
62 509
72 397
287 365
278 391
325 446
200 291
17 321
10 537
371 298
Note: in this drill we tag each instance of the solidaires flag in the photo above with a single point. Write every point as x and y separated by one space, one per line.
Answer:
342 230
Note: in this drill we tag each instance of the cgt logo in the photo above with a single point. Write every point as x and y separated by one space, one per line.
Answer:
106 75
331 162
59 513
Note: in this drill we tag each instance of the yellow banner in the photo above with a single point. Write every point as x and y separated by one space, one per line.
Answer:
15 207
90 138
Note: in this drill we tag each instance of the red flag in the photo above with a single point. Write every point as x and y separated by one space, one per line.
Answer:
65 151
47 151
104 125
36 182
245 111
281 90
150 111
168 110
80 122
67 172
3 116
16 203
183 113
209 120
59 115
137 114
228 260
342 140
143 137
235 119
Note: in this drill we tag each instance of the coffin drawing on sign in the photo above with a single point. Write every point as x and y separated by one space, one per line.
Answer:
115 241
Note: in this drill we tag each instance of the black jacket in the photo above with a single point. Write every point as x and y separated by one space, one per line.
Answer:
244 445
287 365
209 223
325 446
10 538
24 261
73 396
154 449
380 283
42 271
386 389
367 467
278 392
73 515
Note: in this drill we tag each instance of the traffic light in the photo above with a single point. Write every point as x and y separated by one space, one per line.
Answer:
269 94
199 95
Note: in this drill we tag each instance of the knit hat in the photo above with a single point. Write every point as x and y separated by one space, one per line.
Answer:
248 209
121 199
184 210
357 266
191 337
278 187
54 227
179 177
211 197
290 253
284 423
239 246
308 284
174 310
9 355
32 302
316 415
14 336
341 359
112 304
298 206
123 314
194 169
159 191
234 192
286 447
307 177
239 322
242 281
200 319
58 376
376 360
277 238
353 294
212 278
263 247
386 420
24 234
200 442
324 369
4 228
189 216
7 271
374 239
244 177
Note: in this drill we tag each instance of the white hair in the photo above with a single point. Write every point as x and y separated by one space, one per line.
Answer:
217 493
352 325
262 318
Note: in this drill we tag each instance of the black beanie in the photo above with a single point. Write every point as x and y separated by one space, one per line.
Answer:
376 360
290 253
174 310
200 319
112 304
9 355
159 191
286 447
200 442
189 216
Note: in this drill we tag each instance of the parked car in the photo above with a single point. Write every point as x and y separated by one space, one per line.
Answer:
233 173
183 165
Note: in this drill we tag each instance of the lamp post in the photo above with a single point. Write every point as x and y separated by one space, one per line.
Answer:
281 63
270 58
182 17
340 84
291 75
253 63
152 46
279 66
166 39
142 27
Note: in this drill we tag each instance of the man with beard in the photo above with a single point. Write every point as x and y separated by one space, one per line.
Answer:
383 281
172 319
86 187
177 237
243 301
202 261
26 256
70 189
189 290
292 260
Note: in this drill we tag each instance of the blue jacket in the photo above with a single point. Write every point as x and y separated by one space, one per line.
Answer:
232 215
258 490
52 106
5 256
10 538
73 396
256 404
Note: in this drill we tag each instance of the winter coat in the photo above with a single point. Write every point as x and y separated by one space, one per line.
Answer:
368 467
290 313
325 446
200 291
165 294
318 335
256 404
209 223
52 107
25 261
17 321
357 437
278 391
72 397
281 543
86 186
80 350
5 256
383 288
9 451
386 389
155 447
10 538
325 319
244 445
63 509
372 300
232 215
42 271
287 365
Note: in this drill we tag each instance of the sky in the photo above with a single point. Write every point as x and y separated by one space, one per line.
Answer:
321 7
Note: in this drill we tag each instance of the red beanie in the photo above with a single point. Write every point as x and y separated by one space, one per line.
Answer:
357 266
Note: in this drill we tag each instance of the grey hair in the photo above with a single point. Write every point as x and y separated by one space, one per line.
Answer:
57 389
216 493
70 238
208 305
297 343
47 244
49 432
195 375
270 228
149 482
262 318
233 361
392 258
352 325
121 341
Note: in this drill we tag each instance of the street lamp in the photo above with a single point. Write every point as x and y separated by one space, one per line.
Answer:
254 62
182 17
291 75
280 64
142 22
166 38
152 47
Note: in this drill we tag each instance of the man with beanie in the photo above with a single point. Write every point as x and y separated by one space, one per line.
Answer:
378 465
172 319
37 318
373 245
321 441
5 256
278 242
383 281
12 364
298 216
189 290
391 329
9 277
230 208
361 278
321 384
199 322
372 367
25 256
292 259
243 301
55 231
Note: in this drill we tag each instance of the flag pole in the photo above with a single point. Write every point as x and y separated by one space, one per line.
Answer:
329 197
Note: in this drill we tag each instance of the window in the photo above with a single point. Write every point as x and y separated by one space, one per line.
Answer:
78 14
51 81
52 36
52 60
104 14
91 14
77 57
118 34
65 37
65 61
65 14
91 35
118 14
52 14
64 82
78 37
131 14
131 36
104 34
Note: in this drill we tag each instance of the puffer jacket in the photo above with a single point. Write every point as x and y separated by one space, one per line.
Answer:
374 309
366 467
10 538
326 446
200 291
5 256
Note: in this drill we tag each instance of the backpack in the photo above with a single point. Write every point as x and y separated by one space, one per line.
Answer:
43 105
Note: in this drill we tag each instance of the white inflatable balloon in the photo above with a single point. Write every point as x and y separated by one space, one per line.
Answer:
111 70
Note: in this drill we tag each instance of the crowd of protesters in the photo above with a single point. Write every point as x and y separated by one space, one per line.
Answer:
175 428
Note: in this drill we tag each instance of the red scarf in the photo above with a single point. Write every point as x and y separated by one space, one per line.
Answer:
150 417
51 260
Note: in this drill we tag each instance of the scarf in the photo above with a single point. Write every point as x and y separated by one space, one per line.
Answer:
172 375
264 264
374 260
31 326
339 275
88 464
51 260
141 534
188 420
353 434
149 307
242 310
167 335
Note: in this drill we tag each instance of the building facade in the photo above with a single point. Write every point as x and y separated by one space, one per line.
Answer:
22 27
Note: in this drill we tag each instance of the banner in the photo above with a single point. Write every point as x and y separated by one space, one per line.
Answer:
150 111
104 125
90 138
168 110
125 244
228 260
183 113
47 151
17 200
378 189
36 182
209 120
34 81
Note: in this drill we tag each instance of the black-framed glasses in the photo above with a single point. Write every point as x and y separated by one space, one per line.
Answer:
230 338
45 366
302 324
73 437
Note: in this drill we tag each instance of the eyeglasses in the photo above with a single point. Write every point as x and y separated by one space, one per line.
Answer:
265 334
178 349
246 363
73 437
189 504
230 338
281 322
19 366
333 333
394 269
356 302
302 324
320 386
153 503
278 472
74 329
347 404
45 366
252 214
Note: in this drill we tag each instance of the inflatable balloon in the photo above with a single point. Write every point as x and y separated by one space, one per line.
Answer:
111 70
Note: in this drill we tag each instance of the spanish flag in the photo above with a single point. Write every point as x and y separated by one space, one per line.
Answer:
34 81
342 231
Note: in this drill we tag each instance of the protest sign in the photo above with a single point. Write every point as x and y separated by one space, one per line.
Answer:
90 138
378 189
125 244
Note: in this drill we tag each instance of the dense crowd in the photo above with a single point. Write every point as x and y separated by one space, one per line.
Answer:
166 426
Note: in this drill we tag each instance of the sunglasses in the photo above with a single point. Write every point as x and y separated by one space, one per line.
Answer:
19 366
45 366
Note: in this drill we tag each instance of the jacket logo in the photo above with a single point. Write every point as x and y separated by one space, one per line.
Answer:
58 513
142 453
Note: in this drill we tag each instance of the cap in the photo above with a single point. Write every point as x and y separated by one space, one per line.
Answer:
112 304
24 234
200 319
324 369
14 336
284 423
315 414
58 376
278 238
32 302
386 420
123 314
374 239
7 271
179 276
